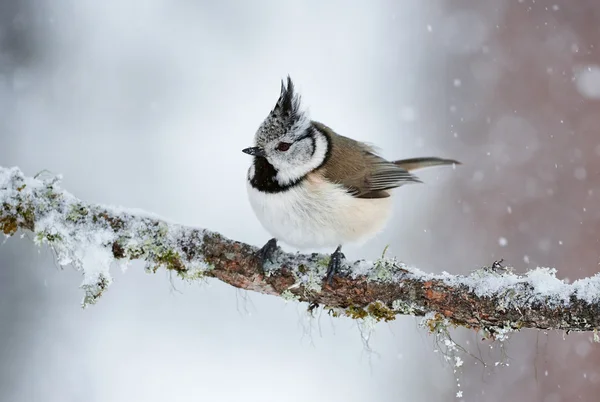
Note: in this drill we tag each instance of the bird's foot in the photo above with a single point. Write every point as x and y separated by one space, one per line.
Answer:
335 263
266 253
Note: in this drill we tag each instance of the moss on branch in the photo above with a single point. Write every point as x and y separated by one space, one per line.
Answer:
91 237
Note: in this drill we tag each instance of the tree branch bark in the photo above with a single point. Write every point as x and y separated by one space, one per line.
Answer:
91 237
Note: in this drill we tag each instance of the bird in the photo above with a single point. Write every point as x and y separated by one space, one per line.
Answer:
312 188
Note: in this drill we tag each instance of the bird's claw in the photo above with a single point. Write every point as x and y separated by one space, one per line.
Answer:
335 263
266 253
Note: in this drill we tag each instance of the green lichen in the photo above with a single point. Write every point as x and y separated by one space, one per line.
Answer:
170 259
94 291
289 296
313 283
53 237
501 332
383 270
355 313
162 229
52 198
404 308
9 225
23 214
25 211
45 236
323 262
435 323
194 274
310 279
158 253
380 311
385 249
134 252
153 249
77 213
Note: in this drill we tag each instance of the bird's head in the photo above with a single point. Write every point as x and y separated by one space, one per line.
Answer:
287 138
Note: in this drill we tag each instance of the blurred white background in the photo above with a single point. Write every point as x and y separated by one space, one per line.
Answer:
148 104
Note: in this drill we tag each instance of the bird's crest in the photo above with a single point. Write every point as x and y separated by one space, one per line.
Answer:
286 117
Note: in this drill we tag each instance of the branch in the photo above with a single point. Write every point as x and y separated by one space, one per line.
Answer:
91 237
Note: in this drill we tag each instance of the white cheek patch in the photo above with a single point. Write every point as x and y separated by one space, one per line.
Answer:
293 173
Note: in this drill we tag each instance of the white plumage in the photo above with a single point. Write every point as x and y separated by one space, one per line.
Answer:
319 214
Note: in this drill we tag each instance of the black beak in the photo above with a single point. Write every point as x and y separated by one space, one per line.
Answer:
254 151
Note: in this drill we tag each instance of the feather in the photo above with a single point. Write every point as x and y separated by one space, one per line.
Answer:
419 163
357 167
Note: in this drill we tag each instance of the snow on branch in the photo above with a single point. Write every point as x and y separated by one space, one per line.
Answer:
92 237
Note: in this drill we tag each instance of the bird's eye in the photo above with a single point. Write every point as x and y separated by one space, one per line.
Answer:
283 146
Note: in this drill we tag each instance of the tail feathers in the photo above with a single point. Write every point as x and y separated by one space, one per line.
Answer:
418 163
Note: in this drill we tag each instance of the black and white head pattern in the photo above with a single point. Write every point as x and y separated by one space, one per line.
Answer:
293 147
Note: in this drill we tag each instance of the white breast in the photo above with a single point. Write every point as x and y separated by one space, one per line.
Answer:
318 214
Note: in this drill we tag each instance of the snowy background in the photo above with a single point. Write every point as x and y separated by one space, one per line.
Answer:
148 103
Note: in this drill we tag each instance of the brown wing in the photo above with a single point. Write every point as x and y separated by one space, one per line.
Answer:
356 166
